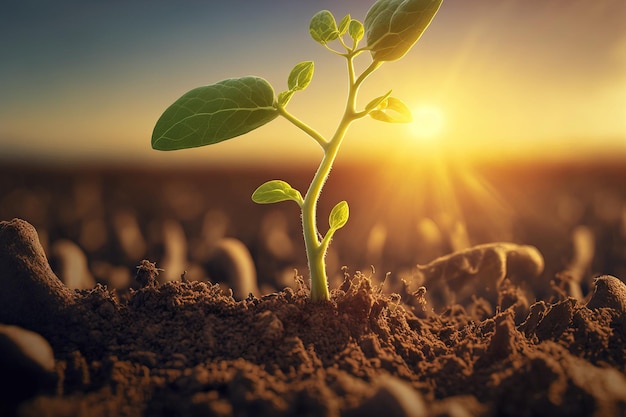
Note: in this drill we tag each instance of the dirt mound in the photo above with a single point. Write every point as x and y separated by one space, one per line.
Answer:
187 348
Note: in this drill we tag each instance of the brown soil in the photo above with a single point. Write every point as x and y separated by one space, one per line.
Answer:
188 348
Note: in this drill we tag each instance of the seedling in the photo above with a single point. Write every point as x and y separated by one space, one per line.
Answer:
214 113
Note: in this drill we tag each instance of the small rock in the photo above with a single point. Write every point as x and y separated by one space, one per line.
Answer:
610 292
26 365
31 295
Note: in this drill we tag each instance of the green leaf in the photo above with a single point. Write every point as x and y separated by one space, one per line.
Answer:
323 27
392 110
339 216
356 30
393 26
378 102
300 76
284 97
275 191
214 113
343 25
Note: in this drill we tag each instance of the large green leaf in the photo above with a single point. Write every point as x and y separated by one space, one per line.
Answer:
393 26
214 113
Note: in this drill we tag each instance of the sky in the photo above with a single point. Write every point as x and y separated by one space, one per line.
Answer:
85 81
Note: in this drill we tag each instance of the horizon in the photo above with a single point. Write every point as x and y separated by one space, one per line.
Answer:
507 81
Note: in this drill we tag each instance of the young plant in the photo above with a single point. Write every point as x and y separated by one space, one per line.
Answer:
230 108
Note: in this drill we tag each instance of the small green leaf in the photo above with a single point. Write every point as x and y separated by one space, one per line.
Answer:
323 27
284 97
300 76
377 102
393 26
339 216
356 30
392 110
214 113
275 191
343 25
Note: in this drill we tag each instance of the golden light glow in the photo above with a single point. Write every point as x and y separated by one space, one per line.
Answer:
428 122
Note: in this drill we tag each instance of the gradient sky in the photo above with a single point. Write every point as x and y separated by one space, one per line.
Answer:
84 80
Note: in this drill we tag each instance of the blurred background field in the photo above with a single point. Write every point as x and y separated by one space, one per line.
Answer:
102 222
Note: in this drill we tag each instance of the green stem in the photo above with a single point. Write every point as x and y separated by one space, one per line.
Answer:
303 126
316 246
316 252
316 249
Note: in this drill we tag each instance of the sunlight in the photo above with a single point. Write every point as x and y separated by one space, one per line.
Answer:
428 122
439 203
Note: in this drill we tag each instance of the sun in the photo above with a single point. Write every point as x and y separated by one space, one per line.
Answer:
428 122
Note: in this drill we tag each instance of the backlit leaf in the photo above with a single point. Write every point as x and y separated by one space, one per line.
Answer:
284 97
300 76
339 216
323 27
356 30
343 25
392 110
214 113
393 26
378 102
275 191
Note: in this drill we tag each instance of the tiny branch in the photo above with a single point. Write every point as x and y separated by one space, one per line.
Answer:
325 242
367 72
344 44
334 51
304 127
360 114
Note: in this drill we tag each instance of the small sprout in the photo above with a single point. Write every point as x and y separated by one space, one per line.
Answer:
233 107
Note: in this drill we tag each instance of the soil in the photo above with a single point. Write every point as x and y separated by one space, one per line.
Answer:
495 329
